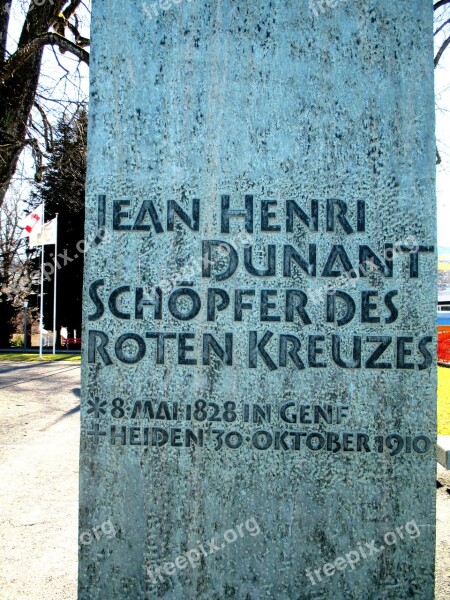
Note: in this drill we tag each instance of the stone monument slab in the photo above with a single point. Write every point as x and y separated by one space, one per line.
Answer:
258 397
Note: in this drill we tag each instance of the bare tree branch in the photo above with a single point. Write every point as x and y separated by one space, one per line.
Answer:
441 51
15 279
70 10
48 130
49 38
46 24
79 39
441 3
444 24
4 23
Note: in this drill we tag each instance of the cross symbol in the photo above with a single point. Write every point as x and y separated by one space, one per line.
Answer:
96 433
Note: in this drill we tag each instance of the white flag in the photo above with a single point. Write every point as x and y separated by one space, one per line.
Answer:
32 221
47 236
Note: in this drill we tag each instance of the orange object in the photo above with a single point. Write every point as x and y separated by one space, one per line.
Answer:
444 346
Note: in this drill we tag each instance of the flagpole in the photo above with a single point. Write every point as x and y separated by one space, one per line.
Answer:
41 316
54 286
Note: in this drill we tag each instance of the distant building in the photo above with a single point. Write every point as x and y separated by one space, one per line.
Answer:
443 311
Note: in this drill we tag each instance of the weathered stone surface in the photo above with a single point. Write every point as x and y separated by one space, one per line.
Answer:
319 436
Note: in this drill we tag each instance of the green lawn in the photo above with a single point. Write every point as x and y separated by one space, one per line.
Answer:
21 357
443 401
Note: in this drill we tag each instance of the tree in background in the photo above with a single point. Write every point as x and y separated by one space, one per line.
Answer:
56 24
15 277
442 42
52 23
442 29
62 189
24 123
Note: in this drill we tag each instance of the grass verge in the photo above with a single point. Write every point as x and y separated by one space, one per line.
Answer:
443 401
23 357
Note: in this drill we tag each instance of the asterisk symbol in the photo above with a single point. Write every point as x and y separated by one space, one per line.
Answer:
96 407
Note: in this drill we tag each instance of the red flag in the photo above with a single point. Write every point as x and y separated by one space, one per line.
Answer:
32 221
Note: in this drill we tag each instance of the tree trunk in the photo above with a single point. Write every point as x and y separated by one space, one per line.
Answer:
18 92
17 98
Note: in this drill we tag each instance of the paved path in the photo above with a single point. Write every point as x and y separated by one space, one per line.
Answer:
39 429
443 535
